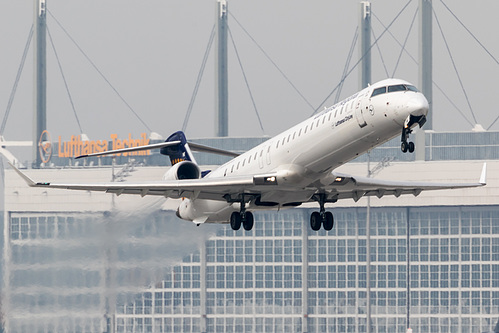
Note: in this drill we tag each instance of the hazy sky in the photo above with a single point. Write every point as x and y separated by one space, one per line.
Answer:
151 51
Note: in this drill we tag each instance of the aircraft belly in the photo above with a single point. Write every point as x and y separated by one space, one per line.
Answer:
212 211
284 197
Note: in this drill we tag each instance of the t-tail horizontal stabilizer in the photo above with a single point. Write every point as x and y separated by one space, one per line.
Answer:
176 147
483 176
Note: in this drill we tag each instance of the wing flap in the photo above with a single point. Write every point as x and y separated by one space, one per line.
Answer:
346 186
204 188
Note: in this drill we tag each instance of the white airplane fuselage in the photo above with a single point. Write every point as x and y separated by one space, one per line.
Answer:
305 154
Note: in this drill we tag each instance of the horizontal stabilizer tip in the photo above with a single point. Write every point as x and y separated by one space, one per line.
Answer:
483 176
28 180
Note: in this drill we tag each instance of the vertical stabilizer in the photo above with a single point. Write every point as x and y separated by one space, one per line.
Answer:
180 152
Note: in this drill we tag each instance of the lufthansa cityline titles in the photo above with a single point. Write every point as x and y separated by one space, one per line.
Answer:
76 147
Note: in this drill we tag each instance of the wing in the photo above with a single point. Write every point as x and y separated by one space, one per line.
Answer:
204 188
342 186
346 186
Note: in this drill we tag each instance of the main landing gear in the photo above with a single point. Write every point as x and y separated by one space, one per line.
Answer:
321 217
242 217
238 218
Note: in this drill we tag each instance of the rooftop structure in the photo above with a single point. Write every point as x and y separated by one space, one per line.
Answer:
79 266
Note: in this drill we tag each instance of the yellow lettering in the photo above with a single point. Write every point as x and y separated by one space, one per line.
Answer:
60 151
76 146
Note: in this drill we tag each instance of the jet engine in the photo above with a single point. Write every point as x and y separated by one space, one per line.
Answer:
183 170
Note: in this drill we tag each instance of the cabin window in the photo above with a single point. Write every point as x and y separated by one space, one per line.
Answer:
237 168
378 91
398 87
299 133
256 153
244 161
335 113
294 135
232 169
283 140
330 114
277 145
306 127
289 137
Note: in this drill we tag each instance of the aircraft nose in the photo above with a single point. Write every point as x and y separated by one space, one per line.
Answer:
418 105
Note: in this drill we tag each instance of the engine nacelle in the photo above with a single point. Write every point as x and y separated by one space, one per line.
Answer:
183 170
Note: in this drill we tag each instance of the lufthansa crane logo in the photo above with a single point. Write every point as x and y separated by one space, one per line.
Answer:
45 146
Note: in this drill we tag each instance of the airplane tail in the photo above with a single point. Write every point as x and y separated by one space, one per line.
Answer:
180 152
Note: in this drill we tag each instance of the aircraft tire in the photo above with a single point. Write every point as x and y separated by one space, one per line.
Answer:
411 147
235 221
404 146
315 221
248 221
328 222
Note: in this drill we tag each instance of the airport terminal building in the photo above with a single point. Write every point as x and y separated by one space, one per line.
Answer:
101 263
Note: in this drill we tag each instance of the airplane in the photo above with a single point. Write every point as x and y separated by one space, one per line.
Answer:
296 166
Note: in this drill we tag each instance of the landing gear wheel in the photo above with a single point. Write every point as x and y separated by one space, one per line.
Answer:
315 221
248 221
404 146
328 222
235 221
411 147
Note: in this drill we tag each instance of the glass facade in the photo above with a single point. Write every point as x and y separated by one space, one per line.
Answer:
64 272
37 269
283 277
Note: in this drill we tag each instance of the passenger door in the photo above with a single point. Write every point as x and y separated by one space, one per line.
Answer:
359 111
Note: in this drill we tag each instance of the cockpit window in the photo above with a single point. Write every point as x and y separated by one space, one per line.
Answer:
412 88
378 91
398 87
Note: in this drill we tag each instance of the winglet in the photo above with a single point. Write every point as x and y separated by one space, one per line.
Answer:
28 180
483 176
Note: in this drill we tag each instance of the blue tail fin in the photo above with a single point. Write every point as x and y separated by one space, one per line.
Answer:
180 152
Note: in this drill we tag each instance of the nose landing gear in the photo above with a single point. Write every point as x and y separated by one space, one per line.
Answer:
406 130
407 147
